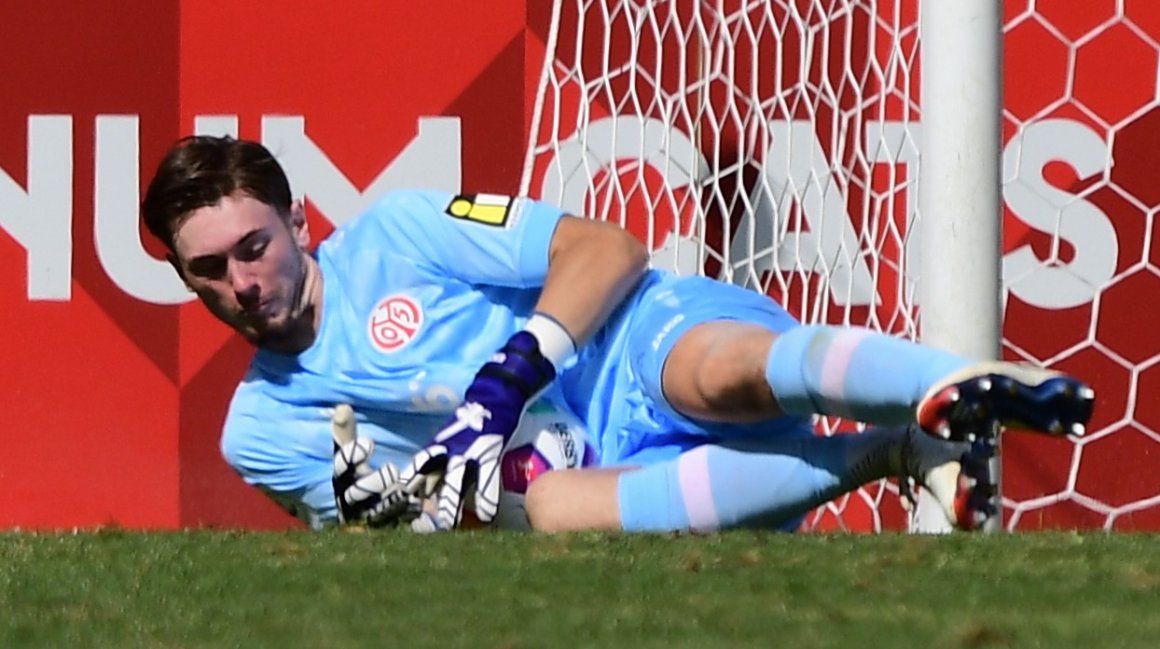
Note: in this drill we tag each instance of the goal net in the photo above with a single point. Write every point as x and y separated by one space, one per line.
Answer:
772 144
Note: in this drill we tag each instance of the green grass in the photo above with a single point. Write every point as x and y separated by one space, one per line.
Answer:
222 589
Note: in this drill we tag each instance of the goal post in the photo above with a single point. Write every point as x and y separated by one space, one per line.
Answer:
785 146
959 190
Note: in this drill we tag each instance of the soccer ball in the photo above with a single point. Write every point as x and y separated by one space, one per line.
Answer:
547 439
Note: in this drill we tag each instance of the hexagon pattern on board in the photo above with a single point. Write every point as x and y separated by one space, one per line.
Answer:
1108 478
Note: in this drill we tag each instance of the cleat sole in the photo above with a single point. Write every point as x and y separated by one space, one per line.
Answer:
1034 400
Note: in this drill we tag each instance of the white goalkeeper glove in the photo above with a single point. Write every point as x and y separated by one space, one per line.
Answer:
373 497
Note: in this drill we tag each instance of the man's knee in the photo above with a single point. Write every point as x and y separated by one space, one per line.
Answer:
722 382
574 499
717 371
538 502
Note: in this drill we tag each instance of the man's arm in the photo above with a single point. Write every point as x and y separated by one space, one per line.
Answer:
592 266
590 269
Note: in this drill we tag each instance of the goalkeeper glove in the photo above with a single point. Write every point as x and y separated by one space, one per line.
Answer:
460 465
362 494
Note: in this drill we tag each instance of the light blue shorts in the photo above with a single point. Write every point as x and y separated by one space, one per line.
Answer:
654 431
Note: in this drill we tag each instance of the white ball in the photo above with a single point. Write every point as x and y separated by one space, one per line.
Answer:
548 438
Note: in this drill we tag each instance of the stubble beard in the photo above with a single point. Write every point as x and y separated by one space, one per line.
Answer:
298 330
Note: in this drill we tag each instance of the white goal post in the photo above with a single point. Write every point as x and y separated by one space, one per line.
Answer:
793 147
959 191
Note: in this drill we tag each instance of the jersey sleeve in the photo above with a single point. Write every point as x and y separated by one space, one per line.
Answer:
286 457
477 238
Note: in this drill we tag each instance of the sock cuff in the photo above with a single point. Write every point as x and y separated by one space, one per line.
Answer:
785 367
647 500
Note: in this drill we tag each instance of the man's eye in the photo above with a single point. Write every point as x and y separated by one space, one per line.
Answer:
208 268
253 251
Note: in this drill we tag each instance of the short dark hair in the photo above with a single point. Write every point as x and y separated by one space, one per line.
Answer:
199 171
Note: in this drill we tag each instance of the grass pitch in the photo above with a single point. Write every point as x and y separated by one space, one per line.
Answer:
506 590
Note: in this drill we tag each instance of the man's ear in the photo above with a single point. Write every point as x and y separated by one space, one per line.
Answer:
173 261
298 225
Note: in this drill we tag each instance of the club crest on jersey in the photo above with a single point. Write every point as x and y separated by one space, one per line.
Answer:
394 323
489 209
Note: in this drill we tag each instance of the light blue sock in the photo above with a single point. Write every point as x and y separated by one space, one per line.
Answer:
854 373
715 487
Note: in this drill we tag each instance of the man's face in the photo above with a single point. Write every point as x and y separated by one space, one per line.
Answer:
246 263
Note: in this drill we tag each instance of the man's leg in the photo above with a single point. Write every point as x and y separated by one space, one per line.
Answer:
709 356
715 487
728 370
575 499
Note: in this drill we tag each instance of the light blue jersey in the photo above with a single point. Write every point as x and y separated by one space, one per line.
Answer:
418 293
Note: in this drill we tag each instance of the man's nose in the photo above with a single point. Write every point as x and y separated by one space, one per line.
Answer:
243 281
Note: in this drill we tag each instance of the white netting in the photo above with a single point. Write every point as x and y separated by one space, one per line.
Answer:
769 143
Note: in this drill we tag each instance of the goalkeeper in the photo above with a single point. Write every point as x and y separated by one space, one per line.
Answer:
439 318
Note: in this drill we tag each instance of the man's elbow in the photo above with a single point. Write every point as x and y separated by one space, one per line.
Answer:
634 253
588 239
639 253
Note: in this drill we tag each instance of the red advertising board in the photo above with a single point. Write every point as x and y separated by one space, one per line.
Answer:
115 383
